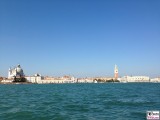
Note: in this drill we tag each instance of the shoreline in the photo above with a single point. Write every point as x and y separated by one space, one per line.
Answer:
72 83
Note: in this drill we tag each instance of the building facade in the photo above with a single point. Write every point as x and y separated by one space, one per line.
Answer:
15 72
37 78
155 79
34 79
135 79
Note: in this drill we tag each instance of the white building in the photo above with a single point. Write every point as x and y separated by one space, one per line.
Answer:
155 79
85 80
135 79
37 78
7 81
15 72
34 79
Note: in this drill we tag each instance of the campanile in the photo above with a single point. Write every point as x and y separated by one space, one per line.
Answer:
115 72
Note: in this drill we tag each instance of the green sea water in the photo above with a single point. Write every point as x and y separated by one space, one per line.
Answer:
110 101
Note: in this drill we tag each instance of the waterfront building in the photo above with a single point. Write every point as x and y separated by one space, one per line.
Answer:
1 78
7 81
85 80
116 72
15 72
69 79
37 78
34 79
56 81
103 79
155 79
135 79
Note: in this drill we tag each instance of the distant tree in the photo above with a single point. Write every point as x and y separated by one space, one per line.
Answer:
111 80
21 79
116 81
95 80
100 80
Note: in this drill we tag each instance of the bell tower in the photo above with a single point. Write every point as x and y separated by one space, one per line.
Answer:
116 72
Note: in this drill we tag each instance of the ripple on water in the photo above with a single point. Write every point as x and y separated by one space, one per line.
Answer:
78 101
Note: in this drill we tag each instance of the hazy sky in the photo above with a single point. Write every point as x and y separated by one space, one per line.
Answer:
80 37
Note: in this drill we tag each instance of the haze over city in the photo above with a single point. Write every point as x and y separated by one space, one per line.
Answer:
80 38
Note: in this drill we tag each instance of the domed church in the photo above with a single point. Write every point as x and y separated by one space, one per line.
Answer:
15 72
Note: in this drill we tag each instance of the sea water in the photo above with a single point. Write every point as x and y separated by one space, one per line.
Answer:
101 101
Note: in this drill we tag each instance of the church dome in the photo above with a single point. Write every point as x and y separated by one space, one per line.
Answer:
19 69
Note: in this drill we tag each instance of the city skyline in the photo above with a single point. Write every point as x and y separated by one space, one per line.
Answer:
80 38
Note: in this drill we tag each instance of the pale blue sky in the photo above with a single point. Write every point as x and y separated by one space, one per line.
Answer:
80 37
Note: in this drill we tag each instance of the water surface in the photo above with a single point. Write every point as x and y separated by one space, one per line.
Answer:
110 101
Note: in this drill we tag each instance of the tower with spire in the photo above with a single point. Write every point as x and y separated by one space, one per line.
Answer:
116 72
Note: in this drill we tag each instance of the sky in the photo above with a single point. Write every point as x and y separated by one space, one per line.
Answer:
82 38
